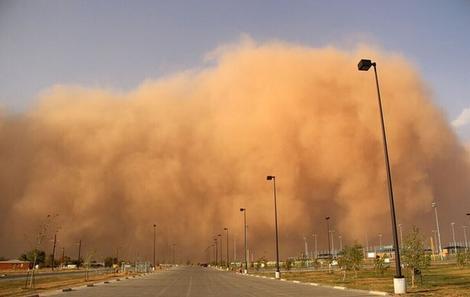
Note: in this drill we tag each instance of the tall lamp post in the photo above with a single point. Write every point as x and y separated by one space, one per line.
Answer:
154 241
465 236
315 242
399 283
328 232
216 242
278 271
219 236
453 237
434 205
226 235
244 234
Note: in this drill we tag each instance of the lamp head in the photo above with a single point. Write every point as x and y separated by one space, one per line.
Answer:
327 218
364 65
225 229
270 177
242 209
154 225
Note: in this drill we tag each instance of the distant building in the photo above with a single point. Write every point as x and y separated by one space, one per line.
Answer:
15 265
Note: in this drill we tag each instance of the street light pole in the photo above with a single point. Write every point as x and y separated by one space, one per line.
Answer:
79 251
154 241
216 251
316 250
278 271
226 229
333 251
53 250
328 232
434 205
380 241
453 237
244 232
219 236
465 236
399 281
401 236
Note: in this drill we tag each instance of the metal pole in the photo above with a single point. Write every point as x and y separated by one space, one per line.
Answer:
154 241
453 237
63 256
244 229
305 247
401 236
278 271
434 205
216 251
79 251
53 250
328 232
228 262
465 236
316 250
333 251
340 242
390 187
380 241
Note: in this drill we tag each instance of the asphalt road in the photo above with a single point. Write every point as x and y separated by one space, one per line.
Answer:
202 282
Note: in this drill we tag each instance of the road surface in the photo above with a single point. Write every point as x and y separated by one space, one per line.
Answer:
187 281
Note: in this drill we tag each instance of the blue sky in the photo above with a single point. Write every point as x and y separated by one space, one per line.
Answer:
118 44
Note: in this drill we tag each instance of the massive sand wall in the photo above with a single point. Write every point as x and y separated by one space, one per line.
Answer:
187 151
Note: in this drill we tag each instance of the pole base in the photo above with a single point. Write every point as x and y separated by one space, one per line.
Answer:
399 285
245 271
277 275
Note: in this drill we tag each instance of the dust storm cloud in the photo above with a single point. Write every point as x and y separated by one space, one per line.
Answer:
187 151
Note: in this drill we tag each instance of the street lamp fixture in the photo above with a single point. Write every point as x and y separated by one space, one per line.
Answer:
244 232
399 283
278 271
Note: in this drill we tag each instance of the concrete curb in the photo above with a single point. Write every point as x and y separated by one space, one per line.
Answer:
371 292
80 287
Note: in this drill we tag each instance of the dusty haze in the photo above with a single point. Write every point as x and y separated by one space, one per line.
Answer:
186 152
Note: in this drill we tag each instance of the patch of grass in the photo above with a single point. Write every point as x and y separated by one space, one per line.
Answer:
16 287
438 280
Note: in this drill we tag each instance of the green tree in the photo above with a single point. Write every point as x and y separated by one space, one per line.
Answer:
109 261
380 264
32 254
463 258
288 263
351 260
414 256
